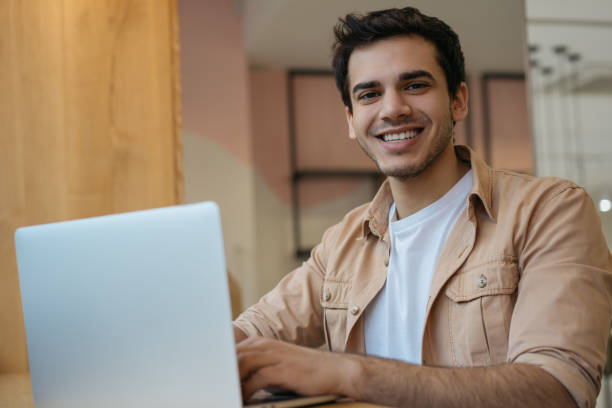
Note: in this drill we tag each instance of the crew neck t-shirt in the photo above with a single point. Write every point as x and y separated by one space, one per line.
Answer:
394 320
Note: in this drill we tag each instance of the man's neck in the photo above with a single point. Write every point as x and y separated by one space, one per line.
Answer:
415 193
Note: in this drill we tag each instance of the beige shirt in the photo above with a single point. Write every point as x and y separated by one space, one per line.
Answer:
524 277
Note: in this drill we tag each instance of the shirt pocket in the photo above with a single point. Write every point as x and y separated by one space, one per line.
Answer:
481 301
334 303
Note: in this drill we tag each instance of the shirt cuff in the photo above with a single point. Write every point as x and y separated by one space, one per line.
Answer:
582 387
251 325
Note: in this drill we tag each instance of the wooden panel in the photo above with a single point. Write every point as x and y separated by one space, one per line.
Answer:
16 391
90 115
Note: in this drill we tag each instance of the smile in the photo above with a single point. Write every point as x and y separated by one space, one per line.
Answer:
399 136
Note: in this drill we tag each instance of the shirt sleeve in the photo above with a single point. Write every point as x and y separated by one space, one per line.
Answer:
561 320
292 310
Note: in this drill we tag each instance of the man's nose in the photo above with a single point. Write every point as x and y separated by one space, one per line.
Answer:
394 106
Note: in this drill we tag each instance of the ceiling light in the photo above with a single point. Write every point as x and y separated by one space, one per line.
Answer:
605 205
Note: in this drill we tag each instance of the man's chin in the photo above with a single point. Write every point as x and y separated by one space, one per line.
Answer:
405 171
416 167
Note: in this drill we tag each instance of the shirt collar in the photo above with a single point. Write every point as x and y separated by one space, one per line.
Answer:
376 220
482 179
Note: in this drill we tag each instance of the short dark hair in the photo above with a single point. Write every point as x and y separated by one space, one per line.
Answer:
357 30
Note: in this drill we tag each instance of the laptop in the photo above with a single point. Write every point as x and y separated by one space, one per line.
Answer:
131 310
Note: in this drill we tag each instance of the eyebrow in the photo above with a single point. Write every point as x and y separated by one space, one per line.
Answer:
415 74
405 76
365 85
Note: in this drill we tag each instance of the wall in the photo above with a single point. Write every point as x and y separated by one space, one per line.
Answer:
216 122
581 152
572 97
90 109
270 130
324 203
237 146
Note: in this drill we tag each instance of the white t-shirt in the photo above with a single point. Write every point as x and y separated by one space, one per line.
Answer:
394 321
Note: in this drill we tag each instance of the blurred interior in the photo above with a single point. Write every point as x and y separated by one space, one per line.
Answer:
120 106
266 136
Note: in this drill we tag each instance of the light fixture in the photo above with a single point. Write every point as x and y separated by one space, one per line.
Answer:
605 205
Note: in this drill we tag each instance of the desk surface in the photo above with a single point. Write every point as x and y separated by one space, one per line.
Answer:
15 392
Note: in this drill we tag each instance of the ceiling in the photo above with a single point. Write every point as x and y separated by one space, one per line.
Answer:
298 33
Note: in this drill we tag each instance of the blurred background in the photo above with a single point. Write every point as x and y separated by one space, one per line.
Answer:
116 106
265 131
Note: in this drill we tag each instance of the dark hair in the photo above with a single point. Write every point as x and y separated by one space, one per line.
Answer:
357 30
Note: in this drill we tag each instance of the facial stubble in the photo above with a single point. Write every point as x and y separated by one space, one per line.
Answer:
445 135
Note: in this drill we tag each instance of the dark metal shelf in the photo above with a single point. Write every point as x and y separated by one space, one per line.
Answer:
303 253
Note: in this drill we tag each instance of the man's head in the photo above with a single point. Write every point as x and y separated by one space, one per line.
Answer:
355 31
401 77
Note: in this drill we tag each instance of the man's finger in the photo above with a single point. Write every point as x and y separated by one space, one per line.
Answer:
260 379
251 361
256 343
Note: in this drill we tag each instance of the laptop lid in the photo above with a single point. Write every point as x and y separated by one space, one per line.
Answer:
129 310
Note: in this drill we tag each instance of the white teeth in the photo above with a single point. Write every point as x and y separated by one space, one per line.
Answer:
390 137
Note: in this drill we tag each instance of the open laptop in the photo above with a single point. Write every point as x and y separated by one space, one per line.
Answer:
131 310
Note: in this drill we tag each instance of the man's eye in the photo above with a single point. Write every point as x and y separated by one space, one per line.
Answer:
416 86
368 95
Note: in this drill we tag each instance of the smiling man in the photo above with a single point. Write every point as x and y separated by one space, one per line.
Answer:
458 285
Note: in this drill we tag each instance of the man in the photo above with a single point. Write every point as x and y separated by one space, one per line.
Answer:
463 285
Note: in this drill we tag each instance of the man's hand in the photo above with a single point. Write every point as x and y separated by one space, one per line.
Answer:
238 335
265 362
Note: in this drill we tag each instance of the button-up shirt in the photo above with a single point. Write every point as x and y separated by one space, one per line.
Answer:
524 277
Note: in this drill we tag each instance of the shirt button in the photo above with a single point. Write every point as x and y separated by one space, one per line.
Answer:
481 281
326 295
354 310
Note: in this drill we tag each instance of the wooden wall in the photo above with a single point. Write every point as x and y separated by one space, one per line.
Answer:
89 122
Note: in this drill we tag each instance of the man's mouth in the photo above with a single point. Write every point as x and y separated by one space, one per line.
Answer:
400 136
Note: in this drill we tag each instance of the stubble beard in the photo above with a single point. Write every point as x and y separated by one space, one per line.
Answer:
445 135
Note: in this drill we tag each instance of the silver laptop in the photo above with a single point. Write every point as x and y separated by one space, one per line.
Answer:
130 310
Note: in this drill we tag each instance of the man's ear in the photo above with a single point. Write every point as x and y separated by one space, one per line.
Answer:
349 121
460 103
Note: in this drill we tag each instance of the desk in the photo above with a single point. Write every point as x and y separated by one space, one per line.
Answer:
350 405
15 392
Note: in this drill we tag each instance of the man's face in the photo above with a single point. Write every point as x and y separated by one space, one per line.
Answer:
402 113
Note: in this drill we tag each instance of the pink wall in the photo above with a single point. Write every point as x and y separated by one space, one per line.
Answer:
321 128
476 113
509 125
322 140
322 136
214 75
247 112
237 146
270 127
